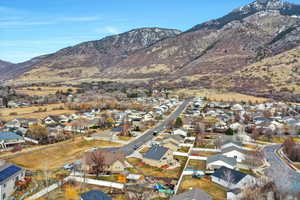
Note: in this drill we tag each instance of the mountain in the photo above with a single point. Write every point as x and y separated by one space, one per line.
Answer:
207 55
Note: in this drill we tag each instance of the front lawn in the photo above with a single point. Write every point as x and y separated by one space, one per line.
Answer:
214 190
148 170
197 164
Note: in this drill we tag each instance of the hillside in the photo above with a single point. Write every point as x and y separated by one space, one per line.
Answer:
215 50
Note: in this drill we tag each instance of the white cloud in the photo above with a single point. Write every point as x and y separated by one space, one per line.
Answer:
108 30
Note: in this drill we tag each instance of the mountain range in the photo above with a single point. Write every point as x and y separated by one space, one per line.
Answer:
253 49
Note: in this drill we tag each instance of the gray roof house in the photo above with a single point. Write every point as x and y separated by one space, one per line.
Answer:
194 194
219 160
158 156
156 152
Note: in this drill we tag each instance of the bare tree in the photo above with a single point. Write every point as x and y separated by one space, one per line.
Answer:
96 161
229 178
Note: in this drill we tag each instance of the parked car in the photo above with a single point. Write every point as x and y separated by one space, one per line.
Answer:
69 166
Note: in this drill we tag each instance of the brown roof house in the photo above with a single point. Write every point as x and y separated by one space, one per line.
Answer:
112 161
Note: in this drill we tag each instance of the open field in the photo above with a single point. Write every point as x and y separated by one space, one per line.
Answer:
204 153
31 112
154 171
221 95
42 91
278 140
214 190
58 155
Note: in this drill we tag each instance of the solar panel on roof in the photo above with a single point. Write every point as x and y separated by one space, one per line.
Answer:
9 171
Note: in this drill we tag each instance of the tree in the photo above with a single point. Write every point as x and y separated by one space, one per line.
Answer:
96 161
229 131
228 177
178 122
38 132
71 193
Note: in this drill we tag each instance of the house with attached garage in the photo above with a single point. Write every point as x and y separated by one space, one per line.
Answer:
230 144
9 139
232 179
234 152
52 120
180 132
158 156
10 174
114 162
219 160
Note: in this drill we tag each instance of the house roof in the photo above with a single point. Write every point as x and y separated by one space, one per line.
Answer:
230 161
194 194
9 136
224 172
155 152
8 170
232 148
95 195
109 157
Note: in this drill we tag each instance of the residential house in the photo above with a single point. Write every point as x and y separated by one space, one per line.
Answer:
234 152
8 139
232 179
25 123
9 175
219 160
114 162
95 195
194 194
52 120
177 139
158 156
180 132
13 124
231 143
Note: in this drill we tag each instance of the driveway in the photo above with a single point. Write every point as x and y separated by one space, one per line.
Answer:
147 136
286 179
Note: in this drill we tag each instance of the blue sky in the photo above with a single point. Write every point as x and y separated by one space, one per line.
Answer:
29 28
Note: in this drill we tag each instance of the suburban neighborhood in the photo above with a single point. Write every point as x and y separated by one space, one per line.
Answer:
162 146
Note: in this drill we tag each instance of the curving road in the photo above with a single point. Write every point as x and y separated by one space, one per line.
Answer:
147 136
286 179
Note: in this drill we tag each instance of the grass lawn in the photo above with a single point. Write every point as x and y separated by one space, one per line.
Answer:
216 191
184 149
30 112
278 140
204 153
77 189
144 149
197 164
154 171
250 146
297 164
125 138
58 155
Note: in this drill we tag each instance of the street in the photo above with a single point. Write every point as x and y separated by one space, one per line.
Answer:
147 136
286 179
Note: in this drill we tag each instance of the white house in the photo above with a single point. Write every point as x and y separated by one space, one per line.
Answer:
219 160
234 152
9 175
180 132
232 179
230 144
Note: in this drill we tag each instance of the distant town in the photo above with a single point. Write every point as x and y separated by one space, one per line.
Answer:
111 142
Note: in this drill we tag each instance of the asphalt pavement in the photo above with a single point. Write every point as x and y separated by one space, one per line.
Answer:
148 135
286 179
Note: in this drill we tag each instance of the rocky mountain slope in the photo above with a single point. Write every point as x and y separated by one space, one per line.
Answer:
215 50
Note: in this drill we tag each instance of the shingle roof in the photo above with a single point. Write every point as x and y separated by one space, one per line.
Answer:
233 148
155 152
95 195
228 160
9 136
236 176
195 194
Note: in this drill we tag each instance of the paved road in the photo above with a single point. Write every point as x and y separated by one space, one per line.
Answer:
147 136
287 179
